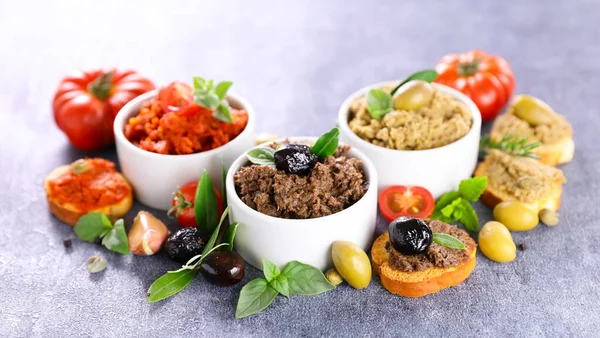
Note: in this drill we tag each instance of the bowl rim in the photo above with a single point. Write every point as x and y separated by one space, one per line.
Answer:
344 126
127 111
368 168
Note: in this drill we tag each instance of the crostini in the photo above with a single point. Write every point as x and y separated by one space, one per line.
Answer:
515 178
87 185
533 118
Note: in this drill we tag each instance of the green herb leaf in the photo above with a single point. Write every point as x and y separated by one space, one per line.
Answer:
230 235
199 82
305 280
448 210
448 241
262 156
255 297
222 113
270 270
206 207
327 144
446 199
222 88
510 144
471 188
215 234
206 99
280 283
379 103
116 238
169 284
223 185
427 75
91 226
469 218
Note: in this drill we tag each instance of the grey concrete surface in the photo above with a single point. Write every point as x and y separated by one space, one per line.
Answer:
296 62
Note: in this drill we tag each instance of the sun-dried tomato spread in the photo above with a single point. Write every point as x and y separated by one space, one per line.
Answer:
188 131
89 185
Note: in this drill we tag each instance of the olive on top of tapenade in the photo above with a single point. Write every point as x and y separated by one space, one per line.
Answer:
409 235
299 181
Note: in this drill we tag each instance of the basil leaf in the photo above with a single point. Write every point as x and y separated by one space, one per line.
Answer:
262 156
270 270
446 199
379 103
470 189
448 241
116 238
206 207
91 226
305 280
213 238
280 283
199 82
230 235
449 209
169 284
469 218
427 75
222 113
327 144
222 88
254 297
223 185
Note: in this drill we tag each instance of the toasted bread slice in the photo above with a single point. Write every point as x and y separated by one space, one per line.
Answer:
497 192
69 213
417 283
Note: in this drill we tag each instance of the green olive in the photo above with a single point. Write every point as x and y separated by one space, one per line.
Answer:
548 217
532 110
496 243
352 263
413 95
516 216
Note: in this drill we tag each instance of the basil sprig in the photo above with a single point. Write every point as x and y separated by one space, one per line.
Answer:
455 205
262 156
448 241
206 207
327 144
296 279
95 225
212 96
379 102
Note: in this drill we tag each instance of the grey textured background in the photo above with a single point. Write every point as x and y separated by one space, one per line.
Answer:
296 62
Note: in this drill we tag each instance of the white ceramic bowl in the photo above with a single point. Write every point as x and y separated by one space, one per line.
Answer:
155 177
439 169
306 240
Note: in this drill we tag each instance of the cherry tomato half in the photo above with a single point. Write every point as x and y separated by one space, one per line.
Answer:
183 204
399 200
175 96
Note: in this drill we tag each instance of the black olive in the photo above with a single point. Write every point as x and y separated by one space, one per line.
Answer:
295 159
223 268
410 236
184 244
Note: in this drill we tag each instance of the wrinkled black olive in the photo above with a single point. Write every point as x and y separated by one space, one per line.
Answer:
223 268
184 244
410 236
295 159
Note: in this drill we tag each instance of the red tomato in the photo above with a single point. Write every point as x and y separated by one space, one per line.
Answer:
175 96
86 103
487 79
399 200
183 204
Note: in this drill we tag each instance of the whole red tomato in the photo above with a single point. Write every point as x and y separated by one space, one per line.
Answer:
183 204
487 79
86 103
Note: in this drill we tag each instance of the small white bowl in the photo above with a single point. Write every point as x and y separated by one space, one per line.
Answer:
438 169
309 241
155 177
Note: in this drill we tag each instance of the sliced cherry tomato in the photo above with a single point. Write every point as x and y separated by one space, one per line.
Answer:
183 204
175 96
399 200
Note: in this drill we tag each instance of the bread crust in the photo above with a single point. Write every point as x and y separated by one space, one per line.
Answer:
70 214
417 283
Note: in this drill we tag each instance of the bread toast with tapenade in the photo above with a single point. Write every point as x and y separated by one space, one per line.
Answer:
522 179
415 284
70 213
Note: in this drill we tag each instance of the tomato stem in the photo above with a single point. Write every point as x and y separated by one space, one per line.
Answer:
101 86
468 68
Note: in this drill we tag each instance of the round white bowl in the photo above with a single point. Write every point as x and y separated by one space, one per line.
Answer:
155 177
309 241
439 169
